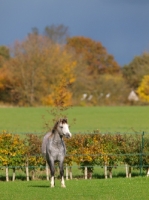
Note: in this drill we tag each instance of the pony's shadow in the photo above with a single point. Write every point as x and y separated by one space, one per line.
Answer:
39 186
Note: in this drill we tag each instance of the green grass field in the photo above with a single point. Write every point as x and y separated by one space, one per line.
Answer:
106 119
96 189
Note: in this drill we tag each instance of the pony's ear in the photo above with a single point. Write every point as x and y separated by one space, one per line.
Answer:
64 120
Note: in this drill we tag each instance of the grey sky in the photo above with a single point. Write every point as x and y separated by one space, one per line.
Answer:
122 26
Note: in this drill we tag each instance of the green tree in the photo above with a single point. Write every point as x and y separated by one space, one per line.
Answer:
136 70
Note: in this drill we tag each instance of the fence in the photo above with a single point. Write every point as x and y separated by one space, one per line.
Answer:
87 165
79 171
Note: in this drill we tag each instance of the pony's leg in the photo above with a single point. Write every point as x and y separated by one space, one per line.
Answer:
62 175
63 182
52 181
52 170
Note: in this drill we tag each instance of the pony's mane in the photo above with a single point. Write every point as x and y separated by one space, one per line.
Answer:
64 120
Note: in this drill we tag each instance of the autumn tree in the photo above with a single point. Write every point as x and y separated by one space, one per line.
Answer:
93 61
143 89
4 54
4 79
63 77
57 33
94 54
110 89
5 85
35 68
83 81
24 68
105 89
39 68
136 70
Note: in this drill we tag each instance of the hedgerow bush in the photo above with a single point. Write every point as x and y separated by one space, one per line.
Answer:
86 150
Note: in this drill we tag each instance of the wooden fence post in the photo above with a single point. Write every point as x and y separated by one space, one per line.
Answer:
85 172
14 174
126 168
7 174
27 171
105 171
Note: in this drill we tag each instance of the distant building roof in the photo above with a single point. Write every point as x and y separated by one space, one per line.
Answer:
133 97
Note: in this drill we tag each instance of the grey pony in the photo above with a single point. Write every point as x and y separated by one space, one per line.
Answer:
54 149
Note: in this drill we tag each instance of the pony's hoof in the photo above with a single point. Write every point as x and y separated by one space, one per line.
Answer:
63 186
52 186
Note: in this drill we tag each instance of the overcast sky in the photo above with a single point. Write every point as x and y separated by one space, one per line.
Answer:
122 26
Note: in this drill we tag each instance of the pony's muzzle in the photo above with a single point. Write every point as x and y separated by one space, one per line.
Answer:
68 135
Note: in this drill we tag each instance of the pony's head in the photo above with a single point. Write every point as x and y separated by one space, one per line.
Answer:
63 128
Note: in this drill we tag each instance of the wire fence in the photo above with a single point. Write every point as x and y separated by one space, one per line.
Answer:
83 170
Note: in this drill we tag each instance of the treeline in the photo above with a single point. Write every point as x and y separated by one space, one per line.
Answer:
80 70
86 150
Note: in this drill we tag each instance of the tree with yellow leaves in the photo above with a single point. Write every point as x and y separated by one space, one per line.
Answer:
60 93
143 89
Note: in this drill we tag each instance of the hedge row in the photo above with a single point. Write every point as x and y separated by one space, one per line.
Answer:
88 150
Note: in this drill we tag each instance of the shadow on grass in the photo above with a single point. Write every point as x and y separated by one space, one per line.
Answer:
21 178
39 186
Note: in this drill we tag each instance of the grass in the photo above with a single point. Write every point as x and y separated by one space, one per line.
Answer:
96 189
106 119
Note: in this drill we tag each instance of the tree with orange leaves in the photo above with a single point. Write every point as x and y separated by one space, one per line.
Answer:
94 54
35 70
